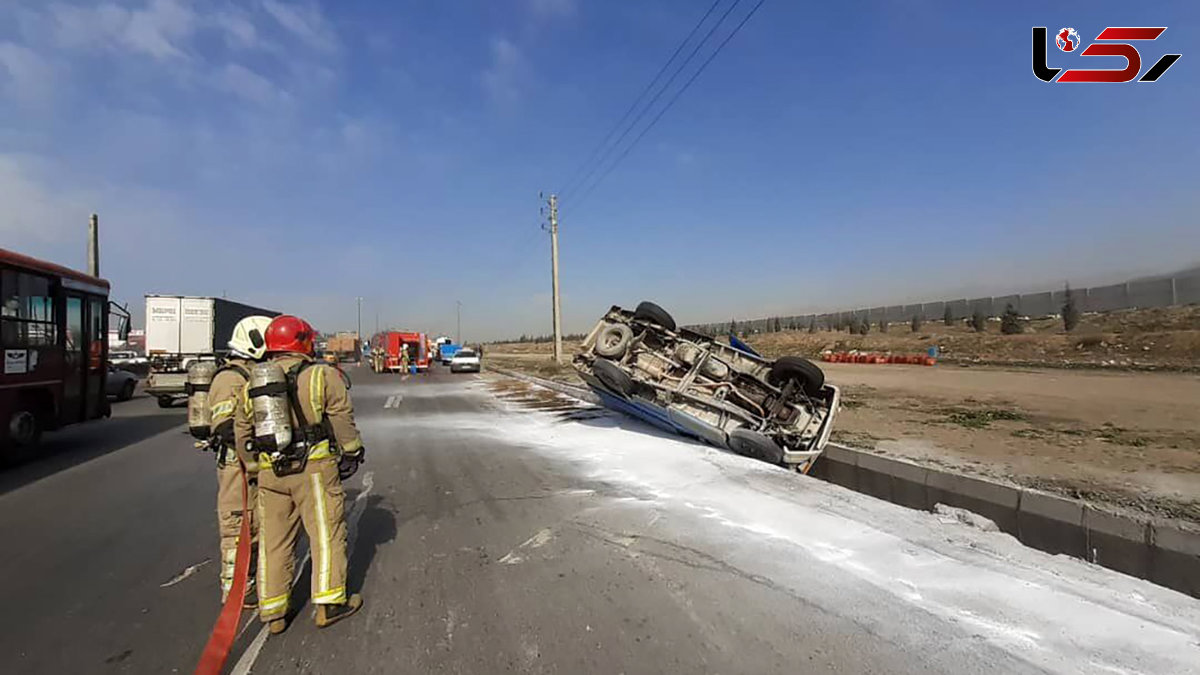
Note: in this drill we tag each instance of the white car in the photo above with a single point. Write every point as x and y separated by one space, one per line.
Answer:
465 361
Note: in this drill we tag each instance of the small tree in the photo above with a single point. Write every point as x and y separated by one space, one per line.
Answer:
978 321
778 326
864 326
1010 321
883 325
948 316
812 325
732 327
1070 311
916 322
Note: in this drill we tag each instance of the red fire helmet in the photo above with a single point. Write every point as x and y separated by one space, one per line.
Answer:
289 333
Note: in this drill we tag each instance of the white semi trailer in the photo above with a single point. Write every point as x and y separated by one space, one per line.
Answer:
181 329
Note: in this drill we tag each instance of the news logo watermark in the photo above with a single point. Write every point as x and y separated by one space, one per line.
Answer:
1112 41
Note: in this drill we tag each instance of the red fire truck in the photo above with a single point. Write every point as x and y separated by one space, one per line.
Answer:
54 338
386 351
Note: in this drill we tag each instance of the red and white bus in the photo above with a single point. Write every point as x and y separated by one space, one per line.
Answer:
54 338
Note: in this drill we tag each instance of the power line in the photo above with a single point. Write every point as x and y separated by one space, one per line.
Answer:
669 104
579 169
658 94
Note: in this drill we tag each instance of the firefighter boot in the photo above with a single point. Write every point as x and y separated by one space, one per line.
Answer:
327 615
277 626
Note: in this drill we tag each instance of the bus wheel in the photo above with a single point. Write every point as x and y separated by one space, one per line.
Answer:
22 433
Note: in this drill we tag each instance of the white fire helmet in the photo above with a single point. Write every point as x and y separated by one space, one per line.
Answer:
249 337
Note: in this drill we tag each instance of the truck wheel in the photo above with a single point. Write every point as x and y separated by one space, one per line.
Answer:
810 377
755 445
613 340
648 311
166 401
613 377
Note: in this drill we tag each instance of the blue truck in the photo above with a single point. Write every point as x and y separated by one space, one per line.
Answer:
446 351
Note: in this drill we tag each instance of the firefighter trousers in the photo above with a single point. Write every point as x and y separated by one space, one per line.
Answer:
313 498
229 518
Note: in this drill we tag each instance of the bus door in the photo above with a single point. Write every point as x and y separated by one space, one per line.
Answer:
96 346
74 363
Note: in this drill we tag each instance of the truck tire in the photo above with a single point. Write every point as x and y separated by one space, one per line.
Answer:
166 401
648 311
613 340
810 377
755 445
611 376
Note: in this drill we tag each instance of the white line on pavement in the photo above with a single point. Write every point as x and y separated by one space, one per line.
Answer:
246 662
393 401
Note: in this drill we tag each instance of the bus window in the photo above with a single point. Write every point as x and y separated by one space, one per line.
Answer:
26 311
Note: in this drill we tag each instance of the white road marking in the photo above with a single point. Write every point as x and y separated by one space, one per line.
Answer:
246 662
187 572
393 401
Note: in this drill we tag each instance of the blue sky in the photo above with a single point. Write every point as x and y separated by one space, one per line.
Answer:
298 154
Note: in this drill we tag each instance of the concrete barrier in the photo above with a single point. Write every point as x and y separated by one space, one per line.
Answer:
1166 552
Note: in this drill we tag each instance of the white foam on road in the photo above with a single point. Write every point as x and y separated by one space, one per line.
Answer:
1059 613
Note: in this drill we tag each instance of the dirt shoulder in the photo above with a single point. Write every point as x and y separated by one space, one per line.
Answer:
1130 440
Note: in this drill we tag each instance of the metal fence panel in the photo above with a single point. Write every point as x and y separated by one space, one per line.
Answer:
980 305
910 311
877 313
1155 293
1107 298
895 313
959 309
1036 305
1187 290
1001 303
933 311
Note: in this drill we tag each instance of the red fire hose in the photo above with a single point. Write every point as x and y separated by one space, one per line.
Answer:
225 630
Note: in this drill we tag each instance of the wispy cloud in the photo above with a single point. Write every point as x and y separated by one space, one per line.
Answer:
305 21
250 86
24 76
504 75
160 28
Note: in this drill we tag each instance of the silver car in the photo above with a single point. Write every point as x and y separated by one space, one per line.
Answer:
779 411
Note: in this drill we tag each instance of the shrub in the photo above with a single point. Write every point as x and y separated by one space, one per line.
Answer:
883 325
1010 321
1070 311
948 316
812 325
732 327
979 321
916 323
778 326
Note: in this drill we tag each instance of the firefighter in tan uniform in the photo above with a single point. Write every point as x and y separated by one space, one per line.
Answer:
300 481
229 429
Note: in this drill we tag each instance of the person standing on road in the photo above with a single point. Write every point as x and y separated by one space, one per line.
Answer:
307 489
232 429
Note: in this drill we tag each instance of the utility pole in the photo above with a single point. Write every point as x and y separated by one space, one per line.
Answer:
458 317
358 333
554 271
93 251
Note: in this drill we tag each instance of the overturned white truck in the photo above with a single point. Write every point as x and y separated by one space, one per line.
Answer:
639 363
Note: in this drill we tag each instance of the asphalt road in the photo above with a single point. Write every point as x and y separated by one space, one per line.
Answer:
509 531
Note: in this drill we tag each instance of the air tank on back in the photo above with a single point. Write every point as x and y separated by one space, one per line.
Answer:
199 379
269 402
